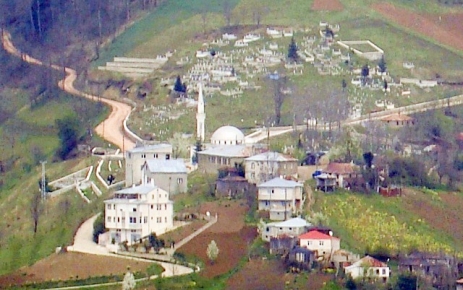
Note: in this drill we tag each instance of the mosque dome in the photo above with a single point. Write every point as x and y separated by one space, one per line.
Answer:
227 135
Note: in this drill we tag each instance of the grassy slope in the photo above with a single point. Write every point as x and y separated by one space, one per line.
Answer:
372 222
35 128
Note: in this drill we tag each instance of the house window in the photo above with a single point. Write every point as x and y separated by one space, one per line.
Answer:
143 156
309 243
155 155
165 206
152 206
114 206
179 180
158 207
253 165
383 271
134 209
167 156
108 219
273 191
321 243
129 155
267 229
158 220
123 219
109 206
118 219
165 219
145 219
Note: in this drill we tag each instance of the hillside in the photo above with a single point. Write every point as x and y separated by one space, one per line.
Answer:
31 103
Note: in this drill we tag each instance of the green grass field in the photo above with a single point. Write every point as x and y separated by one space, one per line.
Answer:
183 31
369 223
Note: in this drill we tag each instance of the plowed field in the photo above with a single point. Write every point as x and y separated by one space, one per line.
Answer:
445 28
327 5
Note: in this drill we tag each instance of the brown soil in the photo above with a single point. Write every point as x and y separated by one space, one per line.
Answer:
230 234
445 28
180 233
446 218
270 274
327 5
71 266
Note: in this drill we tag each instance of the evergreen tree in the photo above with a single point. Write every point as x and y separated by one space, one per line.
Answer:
382 64
292 50
68 133
179 86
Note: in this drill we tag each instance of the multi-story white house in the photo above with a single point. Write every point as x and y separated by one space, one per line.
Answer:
136 212
265 166
368 267
280 197
136 157
322 244
170 175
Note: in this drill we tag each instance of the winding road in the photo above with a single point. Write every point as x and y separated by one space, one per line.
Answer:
112 128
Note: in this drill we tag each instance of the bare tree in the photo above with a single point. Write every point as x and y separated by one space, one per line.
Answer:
36 209
279 91
227 12
204 19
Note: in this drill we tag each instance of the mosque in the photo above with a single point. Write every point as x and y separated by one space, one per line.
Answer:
227 146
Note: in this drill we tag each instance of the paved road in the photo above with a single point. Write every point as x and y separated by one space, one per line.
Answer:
83 243
110 129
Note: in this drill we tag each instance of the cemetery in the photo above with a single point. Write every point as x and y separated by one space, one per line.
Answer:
234 68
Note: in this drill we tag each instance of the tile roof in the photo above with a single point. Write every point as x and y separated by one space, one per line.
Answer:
339 168
166 166
397 117
233 178
271 156
279 182
227 151
369 262
316 235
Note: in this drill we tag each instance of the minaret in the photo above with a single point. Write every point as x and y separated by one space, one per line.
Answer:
200 115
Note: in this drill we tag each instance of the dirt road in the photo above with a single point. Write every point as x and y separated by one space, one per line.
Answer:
111 129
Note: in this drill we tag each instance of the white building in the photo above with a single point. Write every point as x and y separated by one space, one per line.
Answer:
322 244
281 197
136 157
136 212
200 115
227 135
368 267
292 227
265 166
170 175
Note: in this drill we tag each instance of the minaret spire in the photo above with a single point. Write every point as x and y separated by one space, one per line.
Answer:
200 115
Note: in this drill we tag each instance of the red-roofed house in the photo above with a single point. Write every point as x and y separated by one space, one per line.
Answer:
322 244
368 267
342 172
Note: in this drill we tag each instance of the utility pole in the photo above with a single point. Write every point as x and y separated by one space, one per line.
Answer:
43 188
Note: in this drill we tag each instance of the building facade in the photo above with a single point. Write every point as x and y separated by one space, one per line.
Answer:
268 165
136 157
170 175
210 160
322 244
136 212
281 197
